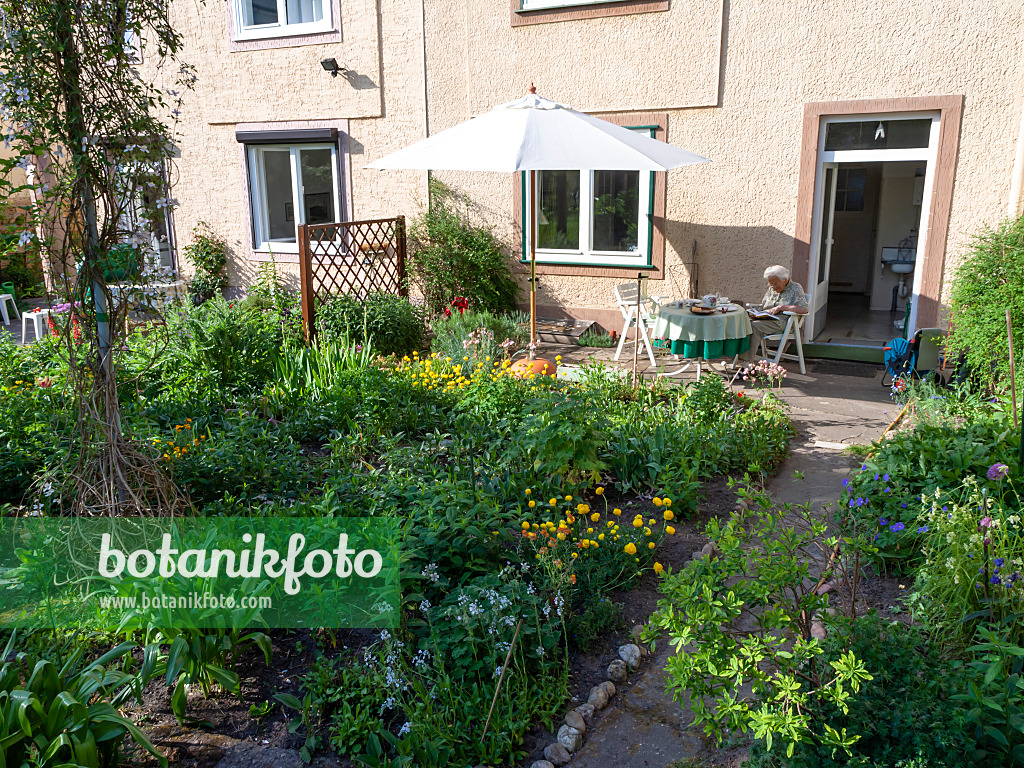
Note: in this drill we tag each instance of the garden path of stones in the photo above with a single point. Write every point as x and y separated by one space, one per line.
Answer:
644 727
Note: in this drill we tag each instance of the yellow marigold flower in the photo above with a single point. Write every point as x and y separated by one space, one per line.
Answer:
537 556
552 502
652 521
658 568
647 531
574 555
638 523
528 491
465 358
656 501
532 504
600 537
595 545
536 527
668 514
561 536
595 517
558 358
568 498
590 530
630 549
570 519
526 525
616 511
669 530
667 502
599 490
651 545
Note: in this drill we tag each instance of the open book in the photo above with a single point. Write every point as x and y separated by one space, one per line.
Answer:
760 314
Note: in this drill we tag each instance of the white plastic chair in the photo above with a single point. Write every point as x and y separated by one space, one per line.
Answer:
4 298
625 297
794 326
40 322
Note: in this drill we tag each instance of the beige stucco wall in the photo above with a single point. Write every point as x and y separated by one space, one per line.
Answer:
733 78
381 99
775 57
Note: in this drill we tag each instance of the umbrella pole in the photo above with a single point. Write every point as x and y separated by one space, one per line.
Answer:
533 263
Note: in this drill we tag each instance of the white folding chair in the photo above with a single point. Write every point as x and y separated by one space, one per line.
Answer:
794 326
625 297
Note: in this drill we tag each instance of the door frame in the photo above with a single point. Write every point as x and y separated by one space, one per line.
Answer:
931 259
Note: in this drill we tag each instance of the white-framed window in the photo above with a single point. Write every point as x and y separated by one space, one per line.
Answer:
279 18
600 218
291 184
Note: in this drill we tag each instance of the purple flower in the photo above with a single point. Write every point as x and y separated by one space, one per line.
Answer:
904 505
876 537
876 476
846 483
895 527
861 502
999 562
851 503
887 489
923 529
863 467
997 471
882 521
885 477
945 508
994 580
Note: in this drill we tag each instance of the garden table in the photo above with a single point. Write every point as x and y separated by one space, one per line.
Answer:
702 337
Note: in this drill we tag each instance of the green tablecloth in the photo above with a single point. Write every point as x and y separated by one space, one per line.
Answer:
707 336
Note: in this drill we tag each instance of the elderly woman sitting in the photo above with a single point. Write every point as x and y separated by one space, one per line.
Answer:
783 296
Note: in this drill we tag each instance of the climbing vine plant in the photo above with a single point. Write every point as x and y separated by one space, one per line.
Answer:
90 94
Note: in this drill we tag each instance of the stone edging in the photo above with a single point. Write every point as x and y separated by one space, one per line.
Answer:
576 721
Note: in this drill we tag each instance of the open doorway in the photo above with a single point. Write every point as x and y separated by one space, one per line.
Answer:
875 220
872 190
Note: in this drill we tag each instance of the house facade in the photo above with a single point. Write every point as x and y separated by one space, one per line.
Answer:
859 144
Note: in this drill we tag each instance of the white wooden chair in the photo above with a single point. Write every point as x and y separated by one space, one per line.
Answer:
625 297
793 330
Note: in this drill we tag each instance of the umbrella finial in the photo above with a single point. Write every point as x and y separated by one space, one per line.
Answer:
532 88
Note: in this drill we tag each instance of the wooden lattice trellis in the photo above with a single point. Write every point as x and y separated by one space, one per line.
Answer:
353 257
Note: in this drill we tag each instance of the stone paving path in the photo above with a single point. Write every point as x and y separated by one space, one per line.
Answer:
645 728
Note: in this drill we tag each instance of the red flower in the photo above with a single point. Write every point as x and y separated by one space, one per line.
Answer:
44 382
461 303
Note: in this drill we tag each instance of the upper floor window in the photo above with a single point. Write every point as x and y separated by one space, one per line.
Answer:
279 18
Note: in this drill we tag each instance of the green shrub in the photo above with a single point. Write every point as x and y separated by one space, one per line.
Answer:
989 281
905 715
208 253
449 257
393 324
479 336
217 351
746 616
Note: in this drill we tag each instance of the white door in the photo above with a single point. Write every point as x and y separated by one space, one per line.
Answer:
823 250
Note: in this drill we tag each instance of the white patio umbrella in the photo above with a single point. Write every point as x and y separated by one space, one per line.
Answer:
535 134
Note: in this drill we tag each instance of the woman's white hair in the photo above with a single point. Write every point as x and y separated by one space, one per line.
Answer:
777 271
